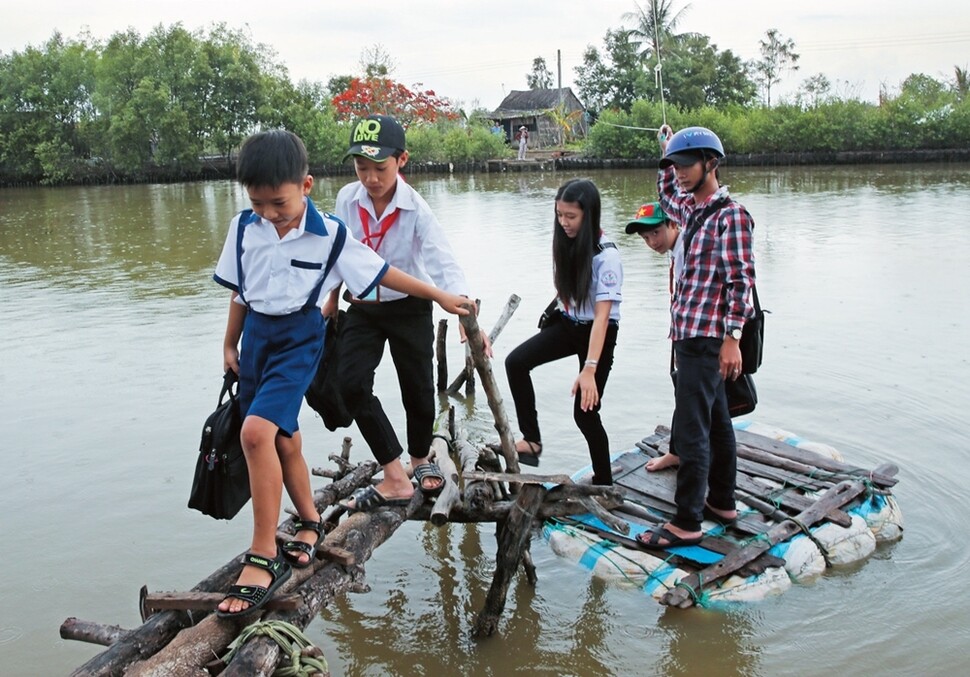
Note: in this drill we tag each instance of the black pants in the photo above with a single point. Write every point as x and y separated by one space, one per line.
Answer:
562 339
701 433
407 327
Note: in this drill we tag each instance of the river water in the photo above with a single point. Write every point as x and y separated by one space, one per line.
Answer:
110 358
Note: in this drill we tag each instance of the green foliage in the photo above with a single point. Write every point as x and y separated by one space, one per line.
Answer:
133 106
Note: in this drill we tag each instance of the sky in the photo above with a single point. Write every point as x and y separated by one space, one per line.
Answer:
474 53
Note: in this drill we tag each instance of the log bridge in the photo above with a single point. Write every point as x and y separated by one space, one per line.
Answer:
179 634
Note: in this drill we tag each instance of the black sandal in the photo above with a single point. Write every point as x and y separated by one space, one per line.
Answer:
294 548
530 457
257 595
428 471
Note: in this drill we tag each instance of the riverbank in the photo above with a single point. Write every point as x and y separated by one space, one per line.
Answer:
540 160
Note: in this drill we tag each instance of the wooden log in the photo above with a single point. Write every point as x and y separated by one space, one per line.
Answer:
514 540
517 478
207 601
484 367
689 586
442 354
361 534
91 632
450 495
498 511
616 523
159 630
478 494
510 307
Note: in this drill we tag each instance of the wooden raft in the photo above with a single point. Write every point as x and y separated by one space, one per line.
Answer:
780 513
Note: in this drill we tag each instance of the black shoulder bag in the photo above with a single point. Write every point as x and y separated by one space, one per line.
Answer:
323 394
221 483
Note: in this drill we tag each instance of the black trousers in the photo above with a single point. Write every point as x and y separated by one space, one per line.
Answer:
562 339
406 325
701 433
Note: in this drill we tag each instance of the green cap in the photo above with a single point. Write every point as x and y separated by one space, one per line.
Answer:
649 216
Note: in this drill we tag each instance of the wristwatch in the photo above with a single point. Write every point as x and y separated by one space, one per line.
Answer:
735 334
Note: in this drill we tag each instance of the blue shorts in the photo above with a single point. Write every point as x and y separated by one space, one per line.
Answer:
278 358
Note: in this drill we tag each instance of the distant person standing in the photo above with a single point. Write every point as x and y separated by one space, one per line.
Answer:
523 137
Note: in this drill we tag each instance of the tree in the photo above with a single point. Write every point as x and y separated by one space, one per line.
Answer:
383 95
815 90
777 55
617 80
653 26
540 77
375 62
698 75
961 82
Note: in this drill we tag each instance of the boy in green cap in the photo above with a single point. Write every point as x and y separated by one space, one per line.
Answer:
660 233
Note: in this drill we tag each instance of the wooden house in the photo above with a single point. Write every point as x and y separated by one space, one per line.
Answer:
552 116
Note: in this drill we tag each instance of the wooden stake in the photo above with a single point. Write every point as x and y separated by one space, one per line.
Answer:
503 319
513 541
484 367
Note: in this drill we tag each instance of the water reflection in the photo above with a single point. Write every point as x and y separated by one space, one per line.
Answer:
110 353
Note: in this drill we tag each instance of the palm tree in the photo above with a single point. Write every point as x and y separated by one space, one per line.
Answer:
961 82
654 23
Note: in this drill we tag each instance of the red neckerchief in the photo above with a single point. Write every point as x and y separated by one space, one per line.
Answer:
374 240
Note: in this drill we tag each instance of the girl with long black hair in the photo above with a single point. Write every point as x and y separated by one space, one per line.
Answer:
588 276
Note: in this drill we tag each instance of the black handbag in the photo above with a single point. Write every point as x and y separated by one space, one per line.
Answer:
550 315
221 483
323 395
753 338
742 396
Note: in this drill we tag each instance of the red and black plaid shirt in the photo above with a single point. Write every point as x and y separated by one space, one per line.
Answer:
713 295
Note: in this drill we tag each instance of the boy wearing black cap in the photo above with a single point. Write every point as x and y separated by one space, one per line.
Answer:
389 216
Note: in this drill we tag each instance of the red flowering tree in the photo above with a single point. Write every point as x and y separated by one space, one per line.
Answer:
383 95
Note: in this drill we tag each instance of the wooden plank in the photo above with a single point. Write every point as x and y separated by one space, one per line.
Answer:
836 497
788 498
816 459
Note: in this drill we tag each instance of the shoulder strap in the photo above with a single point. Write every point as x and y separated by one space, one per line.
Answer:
335 249
245 218
603 245
697 219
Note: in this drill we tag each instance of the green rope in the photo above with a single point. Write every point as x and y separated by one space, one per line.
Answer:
300 657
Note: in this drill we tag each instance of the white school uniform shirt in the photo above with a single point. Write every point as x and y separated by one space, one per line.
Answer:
416 243
605 285
279 273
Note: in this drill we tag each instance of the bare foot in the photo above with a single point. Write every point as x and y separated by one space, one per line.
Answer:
668 460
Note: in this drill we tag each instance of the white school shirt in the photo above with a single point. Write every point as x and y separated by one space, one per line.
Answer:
605 285
279 273
416 243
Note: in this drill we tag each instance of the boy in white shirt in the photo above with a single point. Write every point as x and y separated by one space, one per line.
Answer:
275 262
389 216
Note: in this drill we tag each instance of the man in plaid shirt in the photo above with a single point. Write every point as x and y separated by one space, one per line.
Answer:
711 300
